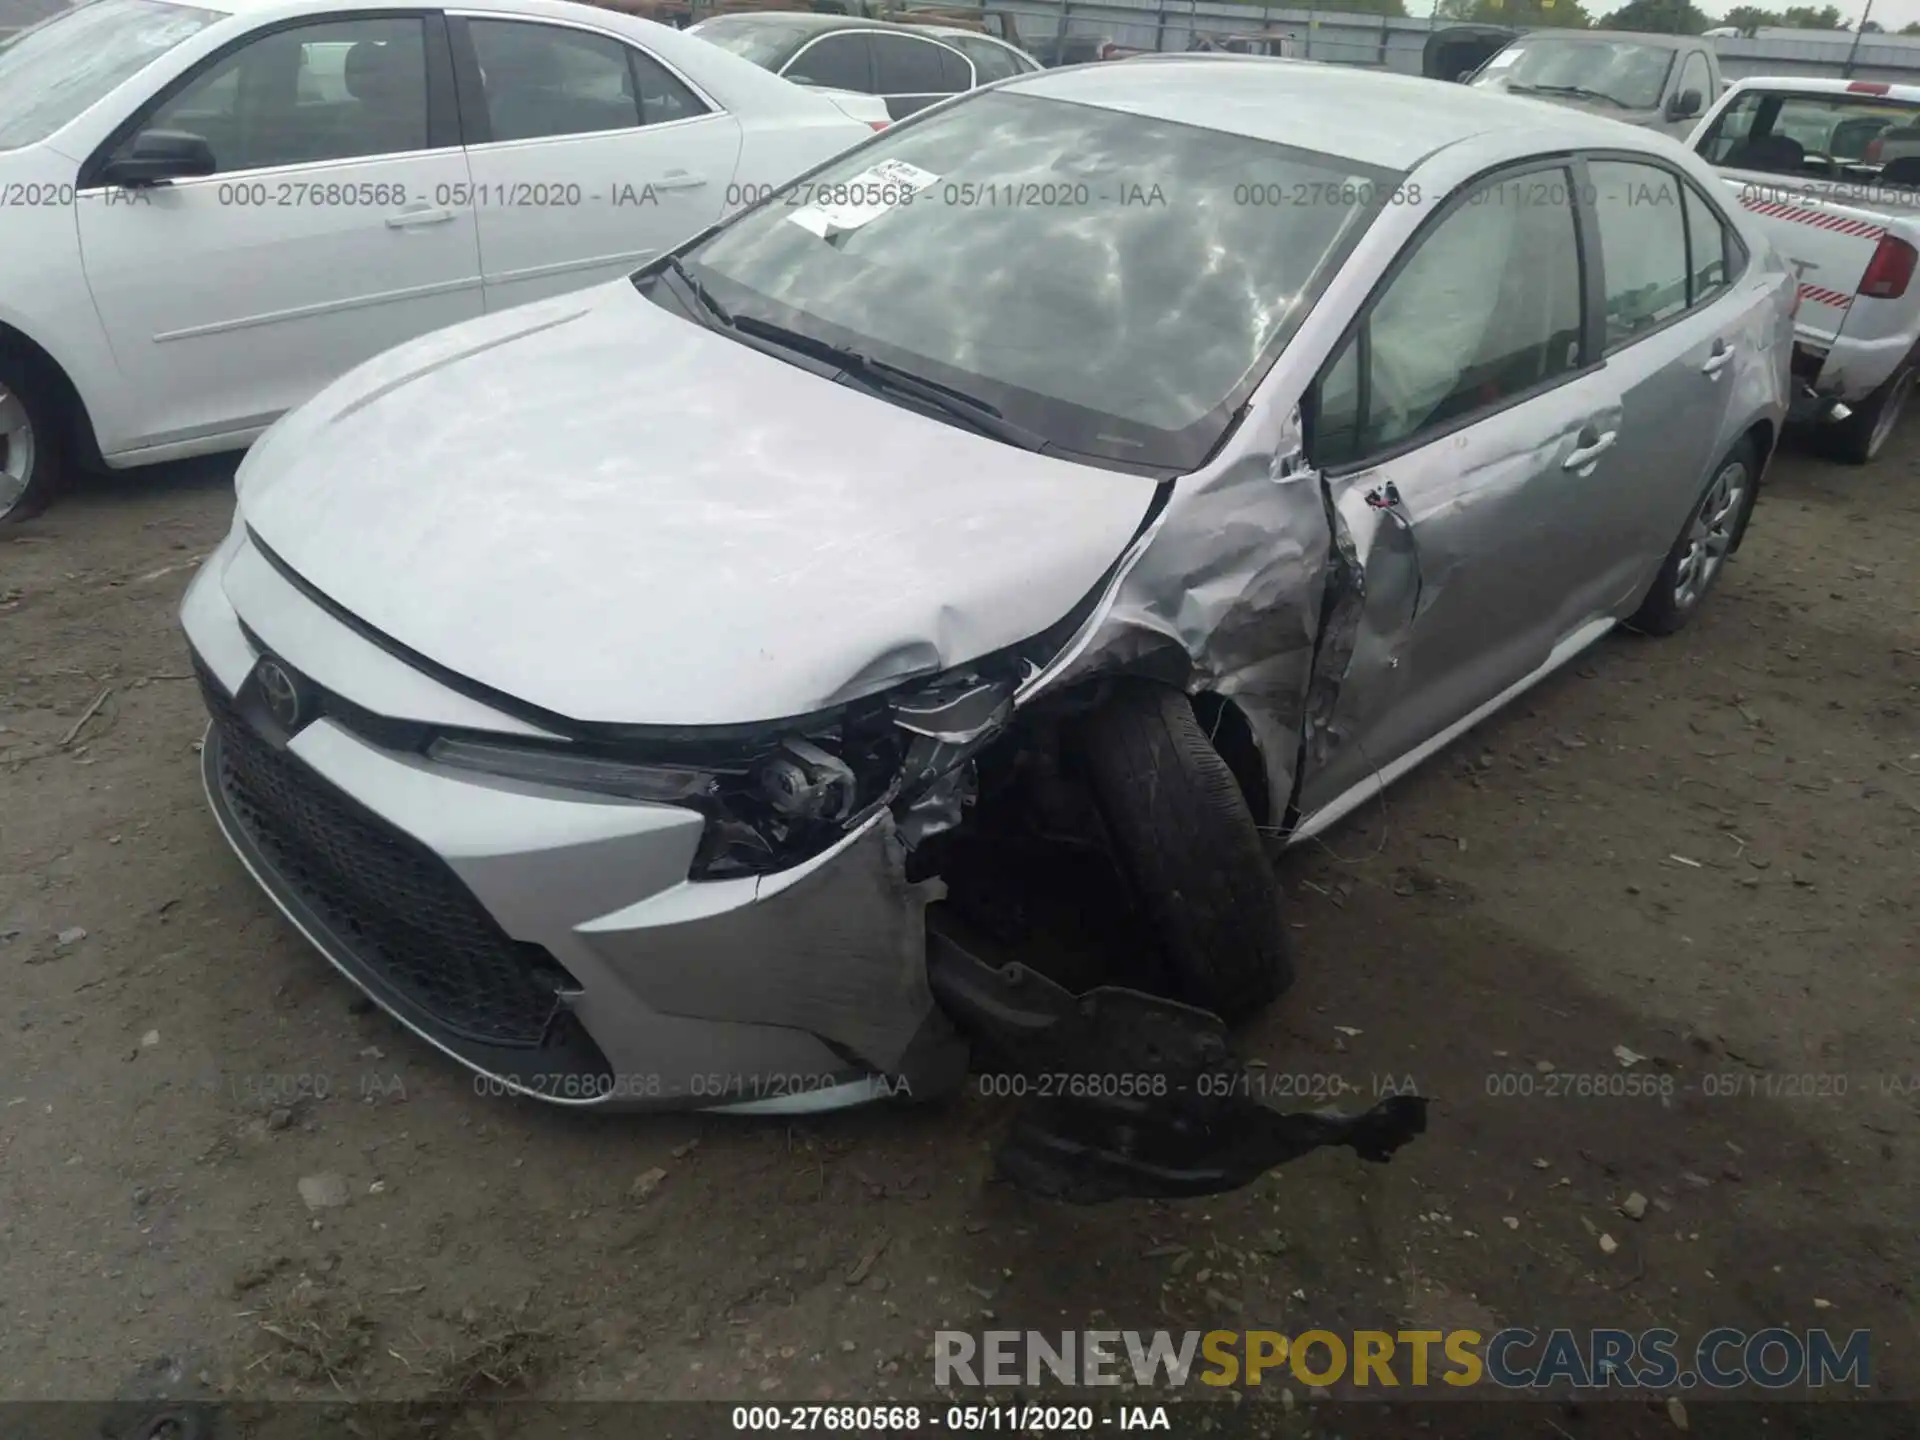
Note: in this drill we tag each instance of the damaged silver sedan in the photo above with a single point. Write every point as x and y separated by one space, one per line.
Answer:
646 696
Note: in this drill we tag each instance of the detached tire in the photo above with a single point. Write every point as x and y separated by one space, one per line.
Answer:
1184 836
32 436
1859 439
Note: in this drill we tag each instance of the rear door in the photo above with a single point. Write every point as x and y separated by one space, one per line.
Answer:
1672 337
1453 426
589 155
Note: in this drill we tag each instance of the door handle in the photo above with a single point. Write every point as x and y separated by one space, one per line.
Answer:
1717 360
679 180
1583 458
423 215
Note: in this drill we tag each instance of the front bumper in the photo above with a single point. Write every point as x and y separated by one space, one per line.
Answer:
548 941
552 943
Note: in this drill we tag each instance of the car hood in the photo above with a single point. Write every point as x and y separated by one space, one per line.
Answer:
617 515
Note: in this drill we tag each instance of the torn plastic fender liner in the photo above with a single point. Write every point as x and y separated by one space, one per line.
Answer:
1163 1111
1225 587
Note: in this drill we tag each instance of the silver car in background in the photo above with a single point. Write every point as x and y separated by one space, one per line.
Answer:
624 690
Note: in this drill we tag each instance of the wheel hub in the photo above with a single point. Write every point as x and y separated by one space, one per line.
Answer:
1710 535
16 450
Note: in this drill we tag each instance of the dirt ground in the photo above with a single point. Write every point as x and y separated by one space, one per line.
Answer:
1704 849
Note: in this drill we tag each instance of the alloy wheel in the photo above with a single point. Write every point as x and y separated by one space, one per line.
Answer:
16 451
1710 535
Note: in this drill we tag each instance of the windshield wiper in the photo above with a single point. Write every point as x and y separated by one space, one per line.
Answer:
1580 91
879 376
699 292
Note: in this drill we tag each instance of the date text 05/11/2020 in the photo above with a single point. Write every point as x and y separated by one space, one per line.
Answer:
955 1419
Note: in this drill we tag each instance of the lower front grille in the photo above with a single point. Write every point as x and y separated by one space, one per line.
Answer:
406 915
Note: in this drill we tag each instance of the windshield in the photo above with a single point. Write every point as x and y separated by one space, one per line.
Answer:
1623 73
54 71
764 42
1113 283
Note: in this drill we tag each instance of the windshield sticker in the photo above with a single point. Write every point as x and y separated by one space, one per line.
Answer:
1503 59
837 208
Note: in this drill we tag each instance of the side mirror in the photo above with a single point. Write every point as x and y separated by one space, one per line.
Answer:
1684 106
158 157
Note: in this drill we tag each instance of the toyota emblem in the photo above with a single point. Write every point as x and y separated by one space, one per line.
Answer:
282 694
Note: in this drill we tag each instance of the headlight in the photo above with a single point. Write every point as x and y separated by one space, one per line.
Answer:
786 797
668 784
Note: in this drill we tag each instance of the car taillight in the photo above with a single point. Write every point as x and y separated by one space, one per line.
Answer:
879 124
1869 87
1889 270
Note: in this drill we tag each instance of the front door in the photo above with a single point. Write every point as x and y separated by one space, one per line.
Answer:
1451 427
336 226
589 156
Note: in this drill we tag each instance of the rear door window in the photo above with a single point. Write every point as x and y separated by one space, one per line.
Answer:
1643 246
835 62
1712 252
955 76
994 62
542 81
903 65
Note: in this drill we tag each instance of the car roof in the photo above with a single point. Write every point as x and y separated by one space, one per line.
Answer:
810 22
1807 84
961 32
1651 39
1372 116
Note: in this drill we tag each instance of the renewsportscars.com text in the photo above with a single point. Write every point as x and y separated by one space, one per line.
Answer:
1516 1358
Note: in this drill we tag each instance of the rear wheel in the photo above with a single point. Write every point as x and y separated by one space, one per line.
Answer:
1859 439
1186 839
1697 557
31 452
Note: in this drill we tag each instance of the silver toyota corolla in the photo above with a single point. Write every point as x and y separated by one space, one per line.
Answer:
1136 461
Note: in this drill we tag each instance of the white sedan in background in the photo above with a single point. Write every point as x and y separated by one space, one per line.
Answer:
209 211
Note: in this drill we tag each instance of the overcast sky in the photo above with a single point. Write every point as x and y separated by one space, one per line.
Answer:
1889 13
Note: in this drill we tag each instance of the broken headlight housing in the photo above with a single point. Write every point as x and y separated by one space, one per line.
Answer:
780 799
810 789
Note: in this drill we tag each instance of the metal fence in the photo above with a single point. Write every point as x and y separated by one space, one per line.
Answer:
1346 37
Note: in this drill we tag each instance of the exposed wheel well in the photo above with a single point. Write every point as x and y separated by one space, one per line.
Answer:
86 445
1761 435
1231 734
